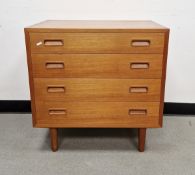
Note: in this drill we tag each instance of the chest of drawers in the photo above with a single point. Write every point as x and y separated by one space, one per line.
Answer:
97 74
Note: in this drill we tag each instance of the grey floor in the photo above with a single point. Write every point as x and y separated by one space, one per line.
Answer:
26 151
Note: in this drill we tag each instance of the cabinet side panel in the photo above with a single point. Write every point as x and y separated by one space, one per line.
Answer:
163 79
30 74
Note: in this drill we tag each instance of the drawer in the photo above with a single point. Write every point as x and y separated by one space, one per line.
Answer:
97 42
97 114
86 89
97 65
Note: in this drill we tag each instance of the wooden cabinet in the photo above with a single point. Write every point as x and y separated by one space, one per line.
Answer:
89 74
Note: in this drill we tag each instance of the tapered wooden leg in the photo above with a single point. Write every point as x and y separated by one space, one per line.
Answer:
141 139
54 139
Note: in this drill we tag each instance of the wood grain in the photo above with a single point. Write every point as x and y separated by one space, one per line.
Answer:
96 26
85 89
97 42
97 65
54 139
97 74
97 114
141 139
163 79
30 76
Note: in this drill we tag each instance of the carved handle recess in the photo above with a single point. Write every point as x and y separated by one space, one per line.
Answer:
137 112
53 42
140 43
55 89
139 65
54 65
138 89
57 112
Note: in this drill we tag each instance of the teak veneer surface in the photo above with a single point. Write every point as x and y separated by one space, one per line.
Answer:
97 74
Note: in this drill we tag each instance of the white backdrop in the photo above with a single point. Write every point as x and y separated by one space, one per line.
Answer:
178 15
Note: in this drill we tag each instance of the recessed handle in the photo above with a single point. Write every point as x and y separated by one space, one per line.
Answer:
56 89
138 89
54 65
53 42
57 112
137 112
140 43
139 65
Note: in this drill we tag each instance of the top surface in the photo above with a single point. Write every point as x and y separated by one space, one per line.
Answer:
95 25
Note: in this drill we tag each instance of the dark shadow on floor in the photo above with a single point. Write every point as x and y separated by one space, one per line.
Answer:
94 139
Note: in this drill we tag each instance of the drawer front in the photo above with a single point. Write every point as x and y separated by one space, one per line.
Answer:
97 65
97 114
84 89
97 42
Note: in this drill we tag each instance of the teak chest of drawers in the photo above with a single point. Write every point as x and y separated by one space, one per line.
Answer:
97 74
